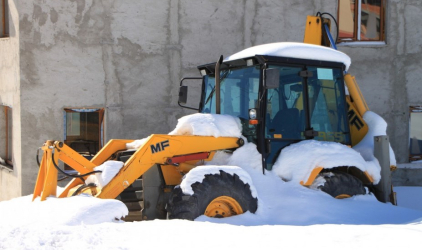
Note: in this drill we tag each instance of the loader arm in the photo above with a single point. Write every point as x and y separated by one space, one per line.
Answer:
158 149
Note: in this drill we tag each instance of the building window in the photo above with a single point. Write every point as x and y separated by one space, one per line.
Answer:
6 128
84 130
361 20
4 18
415 133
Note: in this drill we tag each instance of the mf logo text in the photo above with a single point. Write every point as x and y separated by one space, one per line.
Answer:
354 120
160 146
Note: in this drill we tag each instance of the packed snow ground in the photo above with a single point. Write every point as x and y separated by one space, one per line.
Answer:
289 216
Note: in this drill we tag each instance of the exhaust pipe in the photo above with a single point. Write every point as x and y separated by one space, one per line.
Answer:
217 85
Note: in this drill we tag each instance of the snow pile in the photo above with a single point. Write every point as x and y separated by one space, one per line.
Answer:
296 161
71 211
109 170
198 175
136 143
289 203
377 126
284 208
208 125
294 50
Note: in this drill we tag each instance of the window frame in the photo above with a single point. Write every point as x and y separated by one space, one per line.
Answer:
357 27
413 157
4 19
101 115
7 152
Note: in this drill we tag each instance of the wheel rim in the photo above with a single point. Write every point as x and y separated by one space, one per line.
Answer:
343 196
223 206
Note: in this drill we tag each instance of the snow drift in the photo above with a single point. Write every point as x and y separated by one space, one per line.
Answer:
109 170
208 125
296 161
198 175
376 126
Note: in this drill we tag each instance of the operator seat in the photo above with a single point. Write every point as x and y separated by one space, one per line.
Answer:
287 123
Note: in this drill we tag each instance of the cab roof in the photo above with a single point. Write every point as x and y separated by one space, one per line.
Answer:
294 50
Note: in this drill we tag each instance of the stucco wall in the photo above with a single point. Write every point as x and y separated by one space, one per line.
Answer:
10 180
128 56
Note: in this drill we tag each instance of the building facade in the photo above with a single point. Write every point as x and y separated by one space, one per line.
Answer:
86 71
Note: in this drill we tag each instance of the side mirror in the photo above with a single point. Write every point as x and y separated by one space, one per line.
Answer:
271 78
183 94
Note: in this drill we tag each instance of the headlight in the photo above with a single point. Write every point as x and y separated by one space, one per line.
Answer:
252 114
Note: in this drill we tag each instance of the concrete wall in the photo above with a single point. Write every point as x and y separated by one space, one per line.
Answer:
128 56
407 174
10 178
390 76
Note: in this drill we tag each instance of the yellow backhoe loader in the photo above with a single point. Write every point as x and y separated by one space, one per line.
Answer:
282 93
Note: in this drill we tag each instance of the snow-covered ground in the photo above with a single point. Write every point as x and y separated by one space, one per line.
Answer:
289 216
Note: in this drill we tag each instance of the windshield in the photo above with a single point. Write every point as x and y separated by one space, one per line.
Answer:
327 105
285 106
239 92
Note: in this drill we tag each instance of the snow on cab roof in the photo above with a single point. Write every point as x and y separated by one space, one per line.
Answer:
294 50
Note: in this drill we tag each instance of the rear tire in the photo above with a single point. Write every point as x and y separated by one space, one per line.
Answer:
341 185
218 195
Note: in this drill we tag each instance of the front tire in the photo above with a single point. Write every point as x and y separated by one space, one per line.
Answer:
218 195
340 184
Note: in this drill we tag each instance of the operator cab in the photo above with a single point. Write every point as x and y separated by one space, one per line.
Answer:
283 93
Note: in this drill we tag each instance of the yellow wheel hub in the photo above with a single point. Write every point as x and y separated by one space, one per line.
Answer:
223 206
343 196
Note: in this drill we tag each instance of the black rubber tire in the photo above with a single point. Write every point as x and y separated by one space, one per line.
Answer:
189 207
342 183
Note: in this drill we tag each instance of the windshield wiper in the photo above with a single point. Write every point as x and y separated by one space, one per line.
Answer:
213 90
209 97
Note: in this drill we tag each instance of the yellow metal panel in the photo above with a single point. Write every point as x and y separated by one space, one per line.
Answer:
73 158
313 30
370 179
50 181
357 108
42 172
312 176
358 126
186 167
108 150
171 175
356 94
156 150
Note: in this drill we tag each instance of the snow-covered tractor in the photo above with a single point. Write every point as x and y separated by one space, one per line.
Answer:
287 101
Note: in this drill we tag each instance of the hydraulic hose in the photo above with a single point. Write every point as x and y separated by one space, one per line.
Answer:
38 160
82 187
335 21
71 175
62 171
